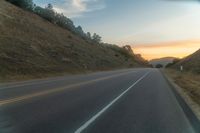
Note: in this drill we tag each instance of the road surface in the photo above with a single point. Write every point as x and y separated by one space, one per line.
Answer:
123 101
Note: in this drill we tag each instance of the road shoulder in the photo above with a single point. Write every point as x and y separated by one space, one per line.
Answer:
189 106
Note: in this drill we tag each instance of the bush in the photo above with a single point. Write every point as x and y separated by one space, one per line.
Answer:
25 4
59 19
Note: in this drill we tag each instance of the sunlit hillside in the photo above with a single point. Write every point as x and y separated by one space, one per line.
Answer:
32 45
190 63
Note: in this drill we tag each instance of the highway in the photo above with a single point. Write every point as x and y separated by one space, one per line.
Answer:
120 101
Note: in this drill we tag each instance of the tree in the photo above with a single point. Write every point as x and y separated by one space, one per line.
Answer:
88 34
49 13
96 38
39 10
59 19
50 7
80 31
25 4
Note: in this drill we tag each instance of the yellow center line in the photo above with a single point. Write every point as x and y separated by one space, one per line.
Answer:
43 93
28 83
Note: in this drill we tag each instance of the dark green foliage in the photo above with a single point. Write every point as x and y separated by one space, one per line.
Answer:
80 31
96 38
25 4
64 22
47 13
89 35
59 19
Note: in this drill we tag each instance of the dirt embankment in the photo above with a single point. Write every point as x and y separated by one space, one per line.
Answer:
30 46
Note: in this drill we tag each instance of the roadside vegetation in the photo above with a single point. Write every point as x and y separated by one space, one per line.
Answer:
49 14
189 81
190 63
186 74
32 46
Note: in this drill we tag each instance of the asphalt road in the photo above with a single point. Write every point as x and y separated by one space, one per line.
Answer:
123 101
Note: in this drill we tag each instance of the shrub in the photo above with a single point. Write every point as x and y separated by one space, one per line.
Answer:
25 4
59 19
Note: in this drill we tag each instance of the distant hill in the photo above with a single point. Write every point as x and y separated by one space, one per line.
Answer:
191 62
32 45
163 61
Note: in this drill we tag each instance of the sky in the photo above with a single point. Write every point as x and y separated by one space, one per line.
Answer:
154 28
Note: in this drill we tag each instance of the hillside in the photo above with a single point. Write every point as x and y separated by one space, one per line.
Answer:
190 63
163 61
30 45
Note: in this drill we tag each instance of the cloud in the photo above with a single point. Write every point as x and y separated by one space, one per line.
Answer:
76 8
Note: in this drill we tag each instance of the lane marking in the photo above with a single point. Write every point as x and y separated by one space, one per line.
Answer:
43 93
91 120
28 83
38 81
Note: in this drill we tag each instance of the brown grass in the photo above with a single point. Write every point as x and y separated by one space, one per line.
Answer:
31 46
190 82
190 63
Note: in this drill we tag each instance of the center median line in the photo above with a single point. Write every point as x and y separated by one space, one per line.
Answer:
33 82
60 89
91 120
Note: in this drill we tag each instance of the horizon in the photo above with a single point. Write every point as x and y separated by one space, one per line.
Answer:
64 73
178 49
141 24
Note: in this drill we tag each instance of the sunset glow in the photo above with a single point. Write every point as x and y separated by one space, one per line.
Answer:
175 49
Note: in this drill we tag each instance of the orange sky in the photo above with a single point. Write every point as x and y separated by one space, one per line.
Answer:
173 49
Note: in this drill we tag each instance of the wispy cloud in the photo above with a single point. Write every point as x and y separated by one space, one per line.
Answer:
76 8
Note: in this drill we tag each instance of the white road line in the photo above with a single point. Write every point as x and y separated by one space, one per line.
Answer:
91 120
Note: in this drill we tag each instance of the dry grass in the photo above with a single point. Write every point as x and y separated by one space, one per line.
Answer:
190 63
31 46
190 82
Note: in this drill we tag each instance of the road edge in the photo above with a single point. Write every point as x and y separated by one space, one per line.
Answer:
190 113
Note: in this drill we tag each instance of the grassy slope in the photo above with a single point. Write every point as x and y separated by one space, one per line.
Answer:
30 45
191 63
188 81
